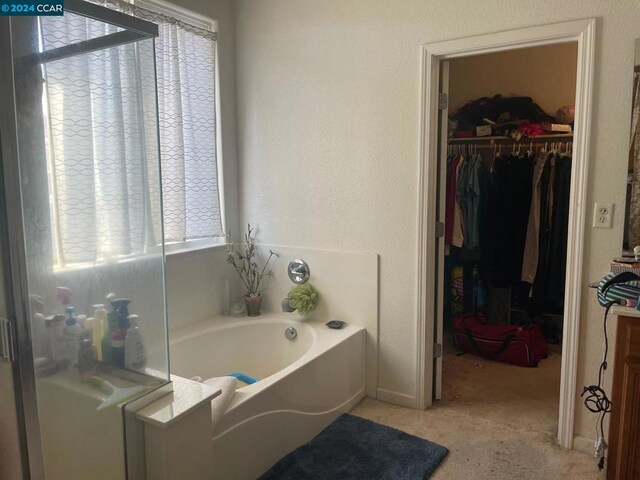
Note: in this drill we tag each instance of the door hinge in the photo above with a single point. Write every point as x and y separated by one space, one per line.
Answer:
443 101
439 229
437 350
7 351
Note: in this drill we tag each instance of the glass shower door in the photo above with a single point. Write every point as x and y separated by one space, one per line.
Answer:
11 447
89 197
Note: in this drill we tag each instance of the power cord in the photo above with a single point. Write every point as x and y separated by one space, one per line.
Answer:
597 401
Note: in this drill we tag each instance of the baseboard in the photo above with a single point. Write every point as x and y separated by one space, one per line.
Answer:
396 398
584 444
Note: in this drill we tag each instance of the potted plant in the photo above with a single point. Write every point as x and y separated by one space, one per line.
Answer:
245 263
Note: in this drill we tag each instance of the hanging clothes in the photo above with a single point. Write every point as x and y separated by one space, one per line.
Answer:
457 239
547 294
511 223
510 204
530 257
472 189
540 285
451 206
559 234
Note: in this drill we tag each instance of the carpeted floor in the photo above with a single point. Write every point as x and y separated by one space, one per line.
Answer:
498 421
508 394
353 448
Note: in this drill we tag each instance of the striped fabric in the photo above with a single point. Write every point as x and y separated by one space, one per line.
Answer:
617 291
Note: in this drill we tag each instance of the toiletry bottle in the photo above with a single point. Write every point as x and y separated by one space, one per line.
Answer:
110 327
55 332
121 311
63 295
98 326
117 348
72 332
86 357
121 307
135 355
39 333
41 344
82 321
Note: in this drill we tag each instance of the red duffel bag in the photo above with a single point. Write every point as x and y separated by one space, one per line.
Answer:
523 346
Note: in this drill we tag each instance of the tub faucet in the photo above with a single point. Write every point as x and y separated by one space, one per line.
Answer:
286 306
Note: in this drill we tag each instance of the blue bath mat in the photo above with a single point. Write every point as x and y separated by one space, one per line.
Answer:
352 448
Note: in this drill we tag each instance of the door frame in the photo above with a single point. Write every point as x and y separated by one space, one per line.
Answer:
582 32
18 303
15 261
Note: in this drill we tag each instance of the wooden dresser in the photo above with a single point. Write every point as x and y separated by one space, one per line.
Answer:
623 461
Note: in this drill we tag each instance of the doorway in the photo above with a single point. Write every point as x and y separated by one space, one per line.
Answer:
431 300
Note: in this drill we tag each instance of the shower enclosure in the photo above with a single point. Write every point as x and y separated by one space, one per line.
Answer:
81 242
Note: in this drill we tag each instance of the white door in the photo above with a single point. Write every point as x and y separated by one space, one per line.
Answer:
441 288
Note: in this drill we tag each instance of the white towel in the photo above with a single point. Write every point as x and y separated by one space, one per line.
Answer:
219 404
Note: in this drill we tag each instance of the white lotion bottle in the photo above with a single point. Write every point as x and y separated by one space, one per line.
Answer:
135 355
55 327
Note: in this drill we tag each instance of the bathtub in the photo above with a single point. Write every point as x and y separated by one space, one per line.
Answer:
304 384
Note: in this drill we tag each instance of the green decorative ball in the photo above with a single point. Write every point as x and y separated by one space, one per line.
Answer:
303 298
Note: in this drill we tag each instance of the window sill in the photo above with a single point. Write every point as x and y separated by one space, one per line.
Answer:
178 249
194 247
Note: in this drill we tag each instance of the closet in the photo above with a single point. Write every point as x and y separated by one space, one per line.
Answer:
507 211
505 173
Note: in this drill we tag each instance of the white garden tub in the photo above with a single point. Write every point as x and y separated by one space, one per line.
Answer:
304 384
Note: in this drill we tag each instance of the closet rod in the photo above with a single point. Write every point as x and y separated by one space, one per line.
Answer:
561 137
515 146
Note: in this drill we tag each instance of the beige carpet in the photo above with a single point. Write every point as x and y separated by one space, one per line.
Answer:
498 421
523 397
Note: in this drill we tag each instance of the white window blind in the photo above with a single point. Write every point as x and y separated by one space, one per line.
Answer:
186 72
100 188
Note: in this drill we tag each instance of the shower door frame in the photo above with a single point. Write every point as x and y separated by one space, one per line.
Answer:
14 256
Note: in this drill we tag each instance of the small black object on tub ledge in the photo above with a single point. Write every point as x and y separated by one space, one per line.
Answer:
336 324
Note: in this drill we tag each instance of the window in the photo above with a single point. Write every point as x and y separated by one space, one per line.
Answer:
187 99
100 135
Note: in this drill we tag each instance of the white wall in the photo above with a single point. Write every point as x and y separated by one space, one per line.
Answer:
196 286
328 102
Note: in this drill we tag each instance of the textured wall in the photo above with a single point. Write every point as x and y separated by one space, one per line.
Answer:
196 286
328 103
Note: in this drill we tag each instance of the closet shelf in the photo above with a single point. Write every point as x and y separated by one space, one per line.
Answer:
505 138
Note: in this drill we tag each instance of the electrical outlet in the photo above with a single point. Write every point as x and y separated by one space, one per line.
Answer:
603 215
